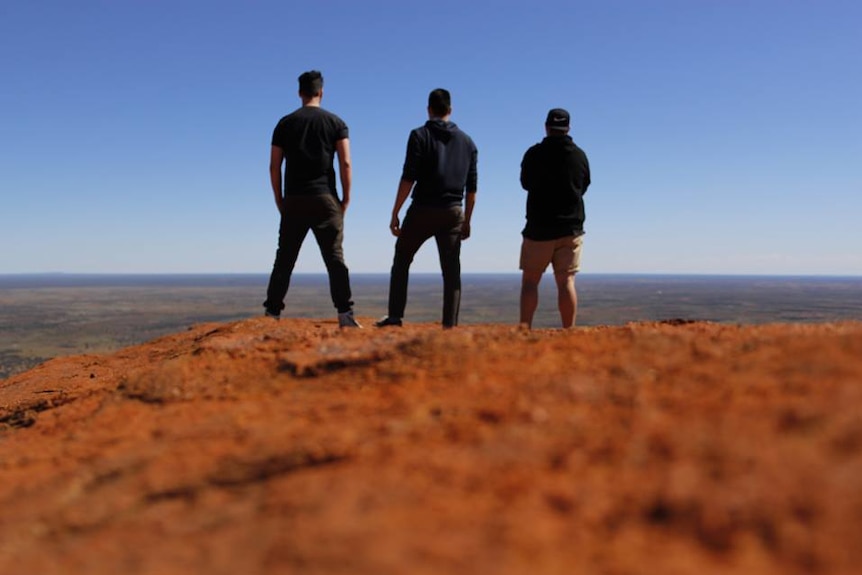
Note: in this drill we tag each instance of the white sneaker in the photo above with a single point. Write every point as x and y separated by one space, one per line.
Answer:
346 319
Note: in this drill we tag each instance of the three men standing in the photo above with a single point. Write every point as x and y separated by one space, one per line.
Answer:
440 174
305 142
440 165
556 175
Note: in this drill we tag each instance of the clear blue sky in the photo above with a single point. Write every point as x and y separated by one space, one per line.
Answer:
725 136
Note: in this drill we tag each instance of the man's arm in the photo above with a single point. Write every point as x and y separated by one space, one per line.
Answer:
345 171
409 174
469 202
276 159
404 187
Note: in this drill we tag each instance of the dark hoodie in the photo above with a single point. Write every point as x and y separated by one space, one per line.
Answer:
441 159
556 175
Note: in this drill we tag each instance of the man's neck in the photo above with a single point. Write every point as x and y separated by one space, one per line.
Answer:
311 102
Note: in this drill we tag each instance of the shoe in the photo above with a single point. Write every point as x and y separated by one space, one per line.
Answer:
389 322
272 314
346 319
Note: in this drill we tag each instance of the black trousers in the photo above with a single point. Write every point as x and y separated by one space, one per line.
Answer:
322 215
420 224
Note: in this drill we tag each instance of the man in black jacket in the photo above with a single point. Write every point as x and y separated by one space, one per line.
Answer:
556 175
439 167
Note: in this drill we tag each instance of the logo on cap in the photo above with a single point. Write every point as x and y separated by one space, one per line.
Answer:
558 119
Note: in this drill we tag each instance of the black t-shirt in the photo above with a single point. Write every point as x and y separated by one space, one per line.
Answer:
307 137
556 175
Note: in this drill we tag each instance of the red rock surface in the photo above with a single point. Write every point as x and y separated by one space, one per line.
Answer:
292 447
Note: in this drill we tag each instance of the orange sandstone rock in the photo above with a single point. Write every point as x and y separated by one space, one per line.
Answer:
293 447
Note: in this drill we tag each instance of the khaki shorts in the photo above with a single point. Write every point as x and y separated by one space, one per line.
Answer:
564 253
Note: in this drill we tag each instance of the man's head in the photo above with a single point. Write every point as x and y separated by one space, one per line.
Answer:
311 84
557 122
439 103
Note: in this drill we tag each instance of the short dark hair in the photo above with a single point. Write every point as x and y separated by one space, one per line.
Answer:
440 102
311 83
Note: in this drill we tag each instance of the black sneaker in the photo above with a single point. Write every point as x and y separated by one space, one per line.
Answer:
389 322
272 314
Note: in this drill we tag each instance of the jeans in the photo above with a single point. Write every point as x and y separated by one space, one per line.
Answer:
322 215
421 223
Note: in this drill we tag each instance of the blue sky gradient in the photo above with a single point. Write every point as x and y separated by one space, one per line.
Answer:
724 136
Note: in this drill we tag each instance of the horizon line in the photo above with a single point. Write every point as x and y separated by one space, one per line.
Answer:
386 273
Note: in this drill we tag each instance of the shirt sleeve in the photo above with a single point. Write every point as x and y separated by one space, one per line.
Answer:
341 131
276 136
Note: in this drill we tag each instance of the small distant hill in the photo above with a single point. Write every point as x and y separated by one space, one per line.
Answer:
271 447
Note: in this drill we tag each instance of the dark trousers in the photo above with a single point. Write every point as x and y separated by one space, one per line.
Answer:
421 223
322 215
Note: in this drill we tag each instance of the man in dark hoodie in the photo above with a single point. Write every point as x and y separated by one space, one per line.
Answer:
556 175
439 167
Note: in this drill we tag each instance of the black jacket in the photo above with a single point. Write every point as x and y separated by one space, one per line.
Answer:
441 159
556 175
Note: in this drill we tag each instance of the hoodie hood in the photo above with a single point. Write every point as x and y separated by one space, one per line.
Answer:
441 129
563 142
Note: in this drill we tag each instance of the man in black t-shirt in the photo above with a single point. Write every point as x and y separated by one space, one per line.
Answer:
556 175
305 142
441 162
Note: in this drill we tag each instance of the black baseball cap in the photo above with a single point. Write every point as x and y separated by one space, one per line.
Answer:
558 119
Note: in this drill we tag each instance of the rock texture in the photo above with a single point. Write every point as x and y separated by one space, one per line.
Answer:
264 447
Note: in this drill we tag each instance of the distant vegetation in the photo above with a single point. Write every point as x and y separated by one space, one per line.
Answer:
99 314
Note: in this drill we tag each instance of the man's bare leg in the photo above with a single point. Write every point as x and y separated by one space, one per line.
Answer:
529 296
567 298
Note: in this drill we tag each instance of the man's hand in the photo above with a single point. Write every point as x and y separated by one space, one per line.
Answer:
344 203
465 230
395 226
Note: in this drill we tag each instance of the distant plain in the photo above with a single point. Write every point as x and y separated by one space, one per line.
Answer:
51 315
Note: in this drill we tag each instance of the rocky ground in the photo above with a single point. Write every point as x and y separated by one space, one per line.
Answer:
264 447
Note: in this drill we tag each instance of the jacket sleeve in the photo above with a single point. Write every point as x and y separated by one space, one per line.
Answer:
413 158
587 180
527 170
473 172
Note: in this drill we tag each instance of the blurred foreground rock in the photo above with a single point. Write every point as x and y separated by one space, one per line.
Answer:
263 447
